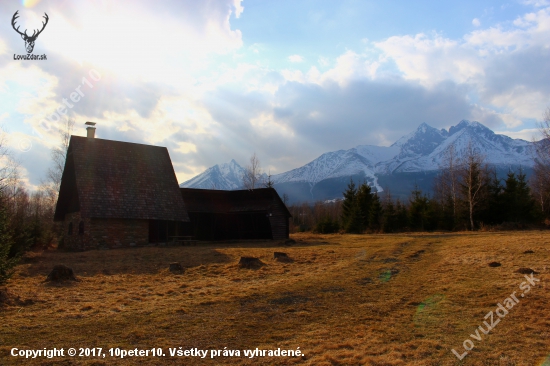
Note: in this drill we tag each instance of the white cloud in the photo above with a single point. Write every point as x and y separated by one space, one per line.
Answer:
129 39
506 66
238 8
536 3
295 58
186 147
323 61
431 60
476 22
528 134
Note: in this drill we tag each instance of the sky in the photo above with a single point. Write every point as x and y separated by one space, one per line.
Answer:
216 80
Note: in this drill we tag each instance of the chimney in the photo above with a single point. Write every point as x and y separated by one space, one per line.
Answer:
90 129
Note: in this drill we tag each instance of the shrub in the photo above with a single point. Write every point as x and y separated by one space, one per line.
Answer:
326 226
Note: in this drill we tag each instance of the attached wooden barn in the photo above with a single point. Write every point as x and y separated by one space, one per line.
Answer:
118 194
232 215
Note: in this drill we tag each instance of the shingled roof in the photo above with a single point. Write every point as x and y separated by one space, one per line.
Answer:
217 201
114 179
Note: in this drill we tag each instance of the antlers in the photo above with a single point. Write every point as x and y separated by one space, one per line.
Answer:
15 16
34 34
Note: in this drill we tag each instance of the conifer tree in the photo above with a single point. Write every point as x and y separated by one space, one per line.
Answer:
389 217
375 215
402 215
349 203
364 201
517 202
491 205
419 213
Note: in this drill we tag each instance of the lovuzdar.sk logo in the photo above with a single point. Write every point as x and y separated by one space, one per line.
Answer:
29 40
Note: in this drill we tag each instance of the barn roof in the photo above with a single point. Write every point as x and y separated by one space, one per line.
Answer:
217 201
114 179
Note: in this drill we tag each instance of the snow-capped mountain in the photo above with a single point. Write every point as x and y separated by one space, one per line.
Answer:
423 150
427 148
415 157
228 176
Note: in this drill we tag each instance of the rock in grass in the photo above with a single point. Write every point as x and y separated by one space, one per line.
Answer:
282 257
494 264
251 263
61 273
4 296
176 268
524 270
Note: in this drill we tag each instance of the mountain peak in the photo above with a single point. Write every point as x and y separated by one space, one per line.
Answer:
422 141
424 127
465 124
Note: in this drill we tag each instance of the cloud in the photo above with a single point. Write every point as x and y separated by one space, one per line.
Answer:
507 67
176 37
431 59
295 58
536 3
180 77
529 134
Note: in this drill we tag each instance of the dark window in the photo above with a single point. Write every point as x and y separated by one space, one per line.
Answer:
81 227
70 228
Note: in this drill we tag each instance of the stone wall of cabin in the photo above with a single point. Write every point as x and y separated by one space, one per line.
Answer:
104 233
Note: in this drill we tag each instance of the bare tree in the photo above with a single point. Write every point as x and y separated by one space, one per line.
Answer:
473 177
58 155
285 198
447 184
252 173
540 186
9 168
541 177
269 182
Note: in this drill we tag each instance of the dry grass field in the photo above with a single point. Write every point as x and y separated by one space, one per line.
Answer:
404 299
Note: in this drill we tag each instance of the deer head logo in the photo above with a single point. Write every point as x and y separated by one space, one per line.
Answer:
29 40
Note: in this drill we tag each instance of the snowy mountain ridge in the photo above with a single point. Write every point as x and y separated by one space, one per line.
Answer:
423 150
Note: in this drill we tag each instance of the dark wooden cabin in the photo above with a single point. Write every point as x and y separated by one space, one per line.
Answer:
232 215
117 194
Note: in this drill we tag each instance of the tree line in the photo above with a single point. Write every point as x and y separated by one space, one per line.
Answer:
26 218
481 201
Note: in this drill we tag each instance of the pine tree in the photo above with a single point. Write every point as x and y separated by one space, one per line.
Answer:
389 217
364 201
419 211
349 205
517 202
491 205
402 215
526 202
375 215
